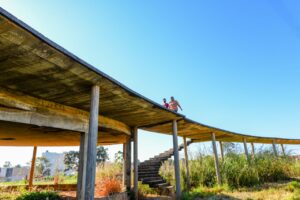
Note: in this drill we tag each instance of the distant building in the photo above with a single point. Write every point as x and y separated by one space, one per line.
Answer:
13 174
56 160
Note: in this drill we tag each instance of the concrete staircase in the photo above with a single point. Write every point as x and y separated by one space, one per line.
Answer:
148 170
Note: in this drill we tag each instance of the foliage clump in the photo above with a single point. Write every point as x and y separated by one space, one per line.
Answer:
109 179
43 195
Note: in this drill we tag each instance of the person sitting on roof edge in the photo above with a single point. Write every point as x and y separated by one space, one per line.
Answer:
174 104
166 105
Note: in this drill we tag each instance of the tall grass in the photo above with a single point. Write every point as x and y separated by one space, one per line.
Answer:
108 179
235 170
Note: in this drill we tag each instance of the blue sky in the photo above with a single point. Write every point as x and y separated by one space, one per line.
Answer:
231 64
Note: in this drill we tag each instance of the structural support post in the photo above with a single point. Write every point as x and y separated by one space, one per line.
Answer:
127 164
222 150
274 148
213 139
31 175
80 176
91 145
186 164
253 150
282 149
124 164
246 149
135 162
176 159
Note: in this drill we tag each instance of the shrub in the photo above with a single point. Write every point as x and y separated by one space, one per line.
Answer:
272 168
145 190
108 187
109 170
167 171
237 172
108 179
43 195
202 171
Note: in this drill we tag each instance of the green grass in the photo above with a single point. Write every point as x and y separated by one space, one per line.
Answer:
62 180
22 194
42 195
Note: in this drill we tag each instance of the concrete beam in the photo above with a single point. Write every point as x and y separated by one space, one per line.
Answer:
176 159
246 149
274 148
31 175
214 146
81 175
127 165
253 150
20 108
135 163
91 147
186 164
282 149
222 150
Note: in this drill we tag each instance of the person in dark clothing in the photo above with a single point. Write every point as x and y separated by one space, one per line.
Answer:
166 105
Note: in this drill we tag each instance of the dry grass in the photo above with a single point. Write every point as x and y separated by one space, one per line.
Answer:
108 179
108 187
269 191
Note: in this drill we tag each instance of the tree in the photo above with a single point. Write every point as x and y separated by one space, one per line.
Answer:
18 166
7 164
71 160
229 147
119 157
43 166
102 155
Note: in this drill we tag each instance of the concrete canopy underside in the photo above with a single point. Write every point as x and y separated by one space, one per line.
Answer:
35 67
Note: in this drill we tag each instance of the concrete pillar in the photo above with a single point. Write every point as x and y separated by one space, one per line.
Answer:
124 164
282 149
274 148
135 162
253 150
176 159
246 149
91 147
31 175
186 164
214 146
80 177
222 150
127 164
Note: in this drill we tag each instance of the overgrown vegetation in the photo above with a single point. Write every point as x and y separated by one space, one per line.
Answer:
268 191
109 179
145 191
236 170
22 194
44 195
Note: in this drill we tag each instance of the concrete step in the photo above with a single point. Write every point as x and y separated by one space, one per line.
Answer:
146 165
155 178
147 173
163 185
159 159
154 183
149 170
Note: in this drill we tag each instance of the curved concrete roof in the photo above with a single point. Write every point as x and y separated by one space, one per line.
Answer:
33 65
